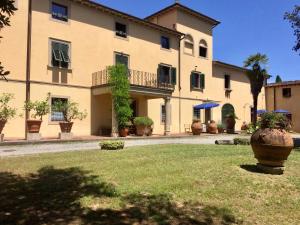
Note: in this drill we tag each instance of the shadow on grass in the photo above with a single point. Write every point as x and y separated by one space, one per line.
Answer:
251 168
52 196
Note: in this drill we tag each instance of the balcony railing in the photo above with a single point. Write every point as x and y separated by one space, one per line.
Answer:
137 78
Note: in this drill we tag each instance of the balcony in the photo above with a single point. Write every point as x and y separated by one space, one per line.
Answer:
137 80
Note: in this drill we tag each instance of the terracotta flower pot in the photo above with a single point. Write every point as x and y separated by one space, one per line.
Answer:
140 130
148 131
244 126
124 132
212 127
220 130
272 147
196 127
33 126
2 125
66 127
230 125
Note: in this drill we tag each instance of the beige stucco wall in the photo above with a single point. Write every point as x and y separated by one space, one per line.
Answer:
292 104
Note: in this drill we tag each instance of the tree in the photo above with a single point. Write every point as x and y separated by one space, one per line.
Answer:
7 9
294 18
257 73
278 79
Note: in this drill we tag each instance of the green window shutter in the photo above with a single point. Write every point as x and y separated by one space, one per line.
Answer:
159 74
64 49
173 76
202 81
56 56
193 80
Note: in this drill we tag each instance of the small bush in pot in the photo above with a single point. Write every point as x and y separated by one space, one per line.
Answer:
142 124
271 143
220 127
212 127
70 112
111 145
6 111
37 110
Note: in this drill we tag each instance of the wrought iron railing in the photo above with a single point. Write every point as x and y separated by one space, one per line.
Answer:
136 77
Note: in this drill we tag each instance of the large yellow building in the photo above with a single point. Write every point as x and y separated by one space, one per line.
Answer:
63 47
285 97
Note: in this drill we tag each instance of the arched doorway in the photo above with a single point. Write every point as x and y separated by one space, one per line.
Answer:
227 109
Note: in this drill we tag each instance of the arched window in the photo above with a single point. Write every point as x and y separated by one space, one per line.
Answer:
203 49
189 44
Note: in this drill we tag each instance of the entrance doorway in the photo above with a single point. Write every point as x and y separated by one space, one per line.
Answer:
207 115
227 109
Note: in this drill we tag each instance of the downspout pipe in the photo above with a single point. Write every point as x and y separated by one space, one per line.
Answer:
28 60
179 79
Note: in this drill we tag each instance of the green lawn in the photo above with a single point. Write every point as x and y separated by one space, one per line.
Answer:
168 184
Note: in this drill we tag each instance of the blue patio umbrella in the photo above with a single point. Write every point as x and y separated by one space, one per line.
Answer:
283 111
261 111
207 105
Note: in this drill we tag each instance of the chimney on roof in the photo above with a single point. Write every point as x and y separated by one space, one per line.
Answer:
177 1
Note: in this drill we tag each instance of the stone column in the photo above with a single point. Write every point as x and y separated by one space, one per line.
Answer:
114 123
168 116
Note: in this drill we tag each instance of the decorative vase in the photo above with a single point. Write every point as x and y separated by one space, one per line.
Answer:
212 127
123 132
220 130
230 125
140 130
244 126
66 127
272 147
196 127
33 126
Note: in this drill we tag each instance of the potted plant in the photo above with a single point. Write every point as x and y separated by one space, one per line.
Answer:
212 127
230 121
272 143
142 124
220 128
6 112
40 109
196 127
118 80
70 112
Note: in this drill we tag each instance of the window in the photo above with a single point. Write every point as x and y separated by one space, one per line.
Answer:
189 45
59 12
287 92
196 114
163 113
57 116
197 80
121 30
167 74
165 42
122 59
60 52
203 49
227 82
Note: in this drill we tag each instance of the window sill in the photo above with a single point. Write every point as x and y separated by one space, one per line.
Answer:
189 54
50 67
228 89
60 21
198 89
201 57
122 38
165 49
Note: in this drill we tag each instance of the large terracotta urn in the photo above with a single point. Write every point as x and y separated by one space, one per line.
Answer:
140 130
230 124
33 126
2 125
196 127
212 127
271 147
123 132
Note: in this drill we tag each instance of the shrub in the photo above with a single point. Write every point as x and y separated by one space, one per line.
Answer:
112 145
40 108
232 115
6 112
241 141
120 85
274 121
220 126
143 121
69 110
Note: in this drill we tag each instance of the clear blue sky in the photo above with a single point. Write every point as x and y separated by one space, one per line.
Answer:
246 27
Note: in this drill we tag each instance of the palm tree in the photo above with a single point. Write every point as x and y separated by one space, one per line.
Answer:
257 73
